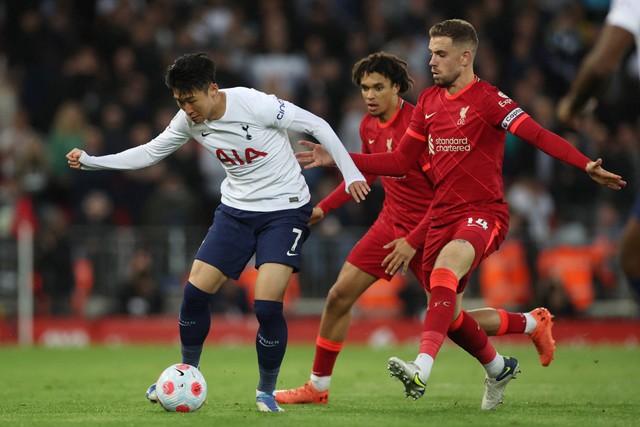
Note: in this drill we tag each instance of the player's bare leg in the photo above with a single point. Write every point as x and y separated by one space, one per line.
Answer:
537 323
334 324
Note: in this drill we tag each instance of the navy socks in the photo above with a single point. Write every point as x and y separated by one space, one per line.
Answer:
271 342
195 322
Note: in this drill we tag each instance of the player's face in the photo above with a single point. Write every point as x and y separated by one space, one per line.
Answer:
445 62
199 105
380 95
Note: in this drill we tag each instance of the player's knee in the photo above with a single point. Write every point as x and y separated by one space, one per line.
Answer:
195 298
338 299
265 309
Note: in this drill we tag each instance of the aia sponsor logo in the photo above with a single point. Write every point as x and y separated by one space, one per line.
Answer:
235 158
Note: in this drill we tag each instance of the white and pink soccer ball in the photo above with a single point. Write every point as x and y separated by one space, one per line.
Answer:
181 388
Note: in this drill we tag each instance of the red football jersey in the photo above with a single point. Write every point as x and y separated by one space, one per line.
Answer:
465 134
407 198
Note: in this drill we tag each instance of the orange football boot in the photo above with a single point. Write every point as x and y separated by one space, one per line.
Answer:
305 394
541 335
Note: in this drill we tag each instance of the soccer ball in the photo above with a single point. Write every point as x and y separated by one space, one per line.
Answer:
181 388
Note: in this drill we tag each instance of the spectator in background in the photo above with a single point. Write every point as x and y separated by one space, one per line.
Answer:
23 155
68 131
140 294
172 204
52 263
619 33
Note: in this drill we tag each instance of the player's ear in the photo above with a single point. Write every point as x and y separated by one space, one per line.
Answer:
467 57
213 89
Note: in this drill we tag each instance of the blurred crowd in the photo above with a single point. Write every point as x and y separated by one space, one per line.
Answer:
90 74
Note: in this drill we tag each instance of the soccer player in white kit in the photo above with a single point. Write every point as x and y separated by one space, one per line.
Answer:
620 30
265 204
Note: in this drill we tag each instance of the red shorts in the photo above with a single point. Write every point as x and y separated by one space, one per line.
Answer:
369 252
483 229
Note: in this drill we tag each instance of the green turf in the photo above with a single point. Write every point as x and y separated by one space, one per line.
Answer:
104 386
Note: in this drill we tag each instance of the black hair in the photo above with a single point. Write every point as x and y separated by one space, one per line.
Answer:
386 64
191 72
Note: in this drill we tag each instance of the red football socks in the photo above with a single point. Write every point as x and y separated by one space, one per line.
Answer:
327 352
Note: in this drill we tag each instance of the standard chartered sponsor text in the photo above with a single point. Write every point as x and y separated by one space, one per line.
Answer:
452 144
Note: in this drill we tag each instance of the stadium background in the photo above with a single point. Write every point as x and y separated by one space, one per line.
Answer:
111 249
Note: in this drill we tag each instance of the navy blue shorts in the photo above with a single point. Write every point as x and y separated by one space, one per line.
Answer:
236 235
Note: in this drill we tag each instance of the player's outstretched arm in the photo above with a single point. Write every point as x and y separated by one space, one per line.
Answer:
316 157
604 177
612 45
73 158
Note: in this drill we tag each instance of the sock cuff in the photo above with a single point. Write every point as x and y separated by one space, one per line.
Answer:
267 308
328 344
191 291
504 321
445 278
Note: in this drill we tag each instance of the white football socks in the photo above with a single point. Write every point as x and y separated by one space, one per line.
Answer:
531 323
495 367
425 363
320 383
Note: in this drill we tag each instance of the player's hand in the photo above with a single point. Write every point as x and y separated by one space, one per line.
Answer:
563 112
316 215
318 156
73 158
568 117
601 176
400 257
359 190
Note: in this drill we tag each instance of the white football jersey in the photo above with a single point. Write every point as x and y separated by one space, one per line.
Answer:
251 142
626 15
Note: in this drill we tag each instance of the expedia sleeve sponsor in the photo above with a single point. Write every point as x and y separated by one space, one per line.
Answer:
514 114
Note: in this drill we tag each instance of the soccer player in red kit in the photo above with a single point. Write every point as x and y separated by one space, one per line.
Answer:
394 241
461 124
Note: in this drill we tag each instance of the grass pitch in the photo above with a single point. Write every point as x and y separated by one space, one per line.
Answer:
104 386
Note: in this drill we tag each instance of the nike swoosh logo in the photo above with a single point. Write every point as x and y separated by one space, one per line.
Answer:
180 372
505 373
291 254
206 134
416 381
427 116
